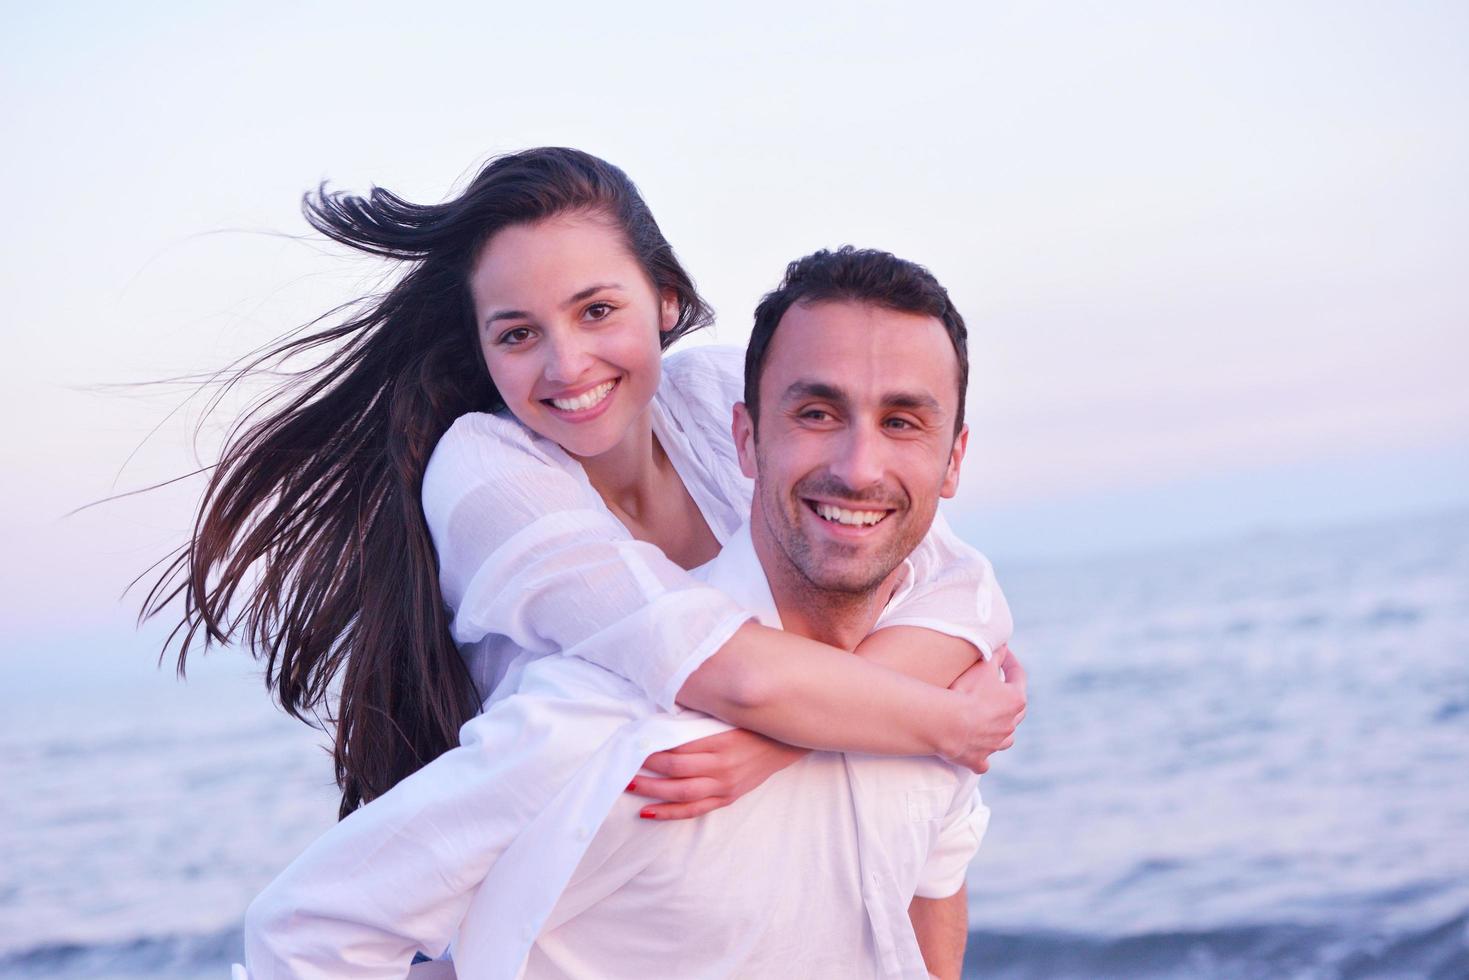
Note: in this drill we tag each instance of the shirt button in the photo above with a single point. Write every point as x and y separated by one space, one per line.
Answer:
527 934
582 834
644 745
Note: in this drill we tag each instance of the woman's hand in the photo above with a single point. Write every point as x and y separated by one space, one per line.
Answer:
709 773
995 695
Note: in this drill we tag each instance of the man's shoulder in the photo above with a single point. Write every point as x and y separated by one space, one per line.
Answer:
904 776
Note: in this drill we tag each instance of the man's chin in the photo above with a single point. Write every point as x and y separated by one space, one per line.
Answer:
846 577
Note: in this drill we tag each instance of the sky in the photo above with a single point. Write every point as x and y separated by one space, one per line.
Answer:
1211 255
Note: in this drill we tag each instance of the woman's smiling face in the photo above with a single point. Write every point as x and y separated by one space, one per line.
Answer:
569 324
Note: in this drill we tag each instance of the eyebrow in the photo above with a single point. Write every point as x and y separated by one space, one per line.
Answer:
917 401
813 389
587 293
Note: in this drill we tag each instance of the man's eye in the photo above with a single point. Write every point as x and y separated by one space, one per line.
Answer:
515 335
816 414
899 424
599 311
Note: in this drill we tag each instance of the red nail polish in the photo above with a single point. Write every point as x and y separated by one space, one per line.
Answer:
632 785
648 815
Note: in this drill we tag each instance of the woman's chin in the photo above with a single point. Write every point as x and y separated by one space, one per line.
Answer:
585 451
585 443
599 433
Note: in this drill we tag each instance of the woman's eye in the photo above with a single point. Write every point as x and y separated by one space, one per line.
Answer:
514 336
599 311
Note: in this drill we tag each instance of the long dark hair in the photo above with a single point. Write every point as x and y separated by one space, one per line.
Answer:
310 543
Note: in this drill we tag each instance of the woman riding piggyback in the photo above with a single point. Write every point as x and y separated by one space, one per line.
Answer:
576 476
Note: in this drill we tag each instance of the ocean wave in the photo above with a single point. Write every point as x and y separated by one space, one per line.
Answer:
174 957
1278 951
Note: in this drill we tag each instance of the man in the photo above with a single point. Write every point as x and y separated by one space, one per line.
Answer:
852 432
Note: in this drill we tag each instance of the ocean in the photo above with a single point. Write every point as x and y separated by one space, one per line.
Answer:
1246 758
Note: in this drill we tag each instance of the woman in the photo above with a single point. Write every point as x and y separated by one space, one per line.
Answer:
545 291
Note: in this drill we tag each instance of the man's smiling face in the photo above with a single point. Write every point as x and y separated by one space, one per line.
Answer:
855 442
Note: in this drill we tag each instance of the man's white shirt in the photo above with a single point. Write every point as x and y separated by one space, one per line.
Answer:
810 874
477 829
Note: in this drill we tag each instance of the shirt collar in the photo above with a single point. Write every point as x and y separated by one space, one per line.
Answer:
736 571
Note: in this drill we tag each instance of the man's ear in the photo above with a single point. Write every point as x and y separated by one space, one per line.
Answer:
668 313
956 456
744 439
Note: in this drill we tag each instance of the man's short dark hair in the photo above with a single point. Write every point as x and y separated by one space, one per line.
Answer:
856 275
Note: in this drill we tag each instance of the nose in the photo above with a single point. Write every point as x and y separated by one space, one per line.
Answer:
859 461
567 359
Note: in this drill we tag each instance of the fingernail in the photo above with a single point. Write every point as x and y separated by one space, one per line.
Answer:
632 785
648 815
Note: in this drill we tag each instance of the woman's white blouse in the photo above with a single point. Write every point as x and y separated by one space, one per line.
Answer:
531 561
533 564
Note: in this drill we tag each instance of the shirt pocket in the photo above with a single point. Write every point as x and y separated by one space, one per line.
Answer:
927 804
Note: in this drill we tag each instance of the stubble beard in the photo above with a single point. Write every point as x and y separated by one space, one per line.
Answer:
823 569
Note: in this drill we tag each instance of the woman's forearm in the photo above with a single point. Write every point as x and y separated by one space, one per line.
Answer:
809 694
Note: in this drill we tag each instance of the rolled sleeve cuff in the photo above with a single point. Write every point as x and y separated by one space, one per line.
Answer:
711 643
968 634
660 645
943 875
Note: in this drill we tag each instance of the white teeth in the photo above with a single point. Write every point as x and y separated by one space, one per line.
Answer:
585 400
843 516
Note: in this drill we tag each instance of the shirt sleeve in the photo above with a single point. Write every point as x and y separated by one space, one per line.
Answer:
952 590
528 550
958 841
397 875
704 383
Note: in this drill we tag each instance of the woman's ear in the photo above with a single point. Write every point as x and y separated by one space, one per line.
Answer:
669 318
